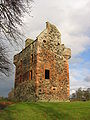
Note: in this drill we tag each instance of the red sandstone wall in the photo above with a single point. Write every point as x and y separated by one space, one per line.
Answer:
48 53
57 87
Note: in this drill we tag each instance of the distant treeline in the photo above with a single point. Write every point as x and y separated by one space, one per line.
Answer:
81 95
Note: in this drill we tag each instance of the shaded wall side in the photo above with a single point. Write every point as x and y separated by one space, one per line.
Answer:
25 62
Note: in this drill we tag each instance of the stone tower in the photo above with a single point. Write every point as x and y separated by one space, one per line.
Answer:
42 69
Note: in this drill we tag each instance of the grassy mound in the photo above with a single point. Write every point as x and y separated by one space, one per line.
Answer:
47 111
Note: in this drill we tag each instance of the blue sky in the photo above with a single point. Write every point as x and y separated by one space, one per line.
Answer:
80 71
72 18
85 55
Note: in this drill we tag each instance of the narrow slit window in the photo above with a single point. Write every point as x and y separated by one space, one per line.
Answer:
28 75
47 74
32 57
31 74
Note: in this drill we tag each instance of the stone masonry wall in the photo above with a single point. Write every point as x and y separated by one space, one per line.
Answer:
25 91
26 61
50 56
45 53
57 87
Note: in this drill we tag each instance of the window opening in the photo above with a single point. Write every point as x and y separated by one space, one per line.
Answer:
47 74
32 57
31 74
27 75
44 41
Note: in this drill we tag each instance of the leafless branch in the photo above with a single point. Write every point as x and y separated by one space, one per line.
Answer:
11 12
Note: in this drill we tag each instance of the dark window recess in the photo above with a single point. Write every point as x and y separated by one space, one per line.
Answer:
53 88
32 57
44 41
27 75
31 74
47 74
40 90
58 43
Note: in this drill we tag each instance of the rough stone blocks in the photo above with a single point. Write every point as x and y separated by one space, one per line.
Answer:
43 64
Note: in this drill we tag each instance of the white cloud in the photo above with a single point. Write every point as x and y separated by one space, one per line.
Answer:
87 79
71 17
78 78
73 20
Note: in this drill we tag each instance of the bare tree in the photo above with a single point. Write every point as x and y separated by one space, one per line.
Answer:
11 12
4 61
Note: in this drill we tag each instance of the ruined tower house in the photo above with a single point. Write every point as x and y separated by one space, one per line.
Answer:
42 69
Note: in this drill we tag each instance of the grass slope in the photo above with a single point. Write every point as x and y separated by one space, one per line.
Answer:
47 111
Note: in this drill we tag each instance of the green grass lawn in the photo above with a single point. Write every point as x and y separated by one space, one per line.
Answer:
47 111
